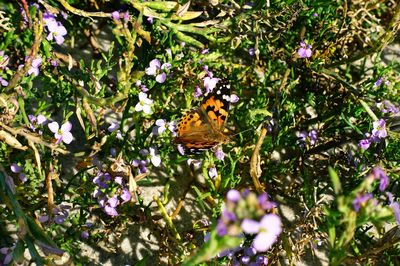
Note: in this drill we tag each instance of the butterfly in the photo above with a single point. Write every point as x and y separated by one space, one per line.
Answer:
203 128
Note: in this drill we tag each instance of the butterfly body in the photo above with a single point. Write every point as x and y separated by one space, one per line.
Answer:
203 128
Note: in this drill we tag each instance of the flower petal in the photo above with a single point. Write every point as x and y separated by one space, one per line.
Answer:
66 127
250 226
53 126
67 137
263 241
161 78
156 160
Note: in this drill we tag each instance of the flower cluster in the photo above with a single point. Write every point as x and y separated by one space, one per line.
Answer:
16 169
304 50
110 192
152 155
55 29
161 125
378 133
157 69
388 107
6 253
246 213
381 80
306 139
362 199
36 121
243 255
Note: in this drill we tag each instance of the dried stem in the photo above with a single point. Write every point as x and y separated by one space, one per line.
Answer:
30 137
82 13
37 31
382 42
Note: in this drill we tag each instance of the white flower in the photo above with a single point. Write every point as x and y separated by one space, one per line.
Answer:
155 159
144 104
62 134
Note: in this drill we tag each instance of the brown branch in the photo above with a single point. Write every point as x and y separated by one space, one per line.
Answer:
37 31
30 137
82 13
382 42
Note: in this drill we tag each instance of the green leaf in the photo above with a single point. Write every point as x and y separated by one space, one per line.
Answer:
18 253
337 186
212 247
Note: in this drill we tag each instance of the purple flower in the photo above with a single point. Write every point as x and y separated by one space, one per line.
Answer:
85 234
61 213
63 133
36 63
268 230
245 259
379 130
36 121
387 107
142 87
360 200
16 169
250 226
210 83
395 207
251 51
378 173
101 180
222 228
7 252
261 260
212 172
115 15
118 180
141 164
113 126
152 154
110 206
181 149
3 82
313 135
233 195
156 69
150 20
304 50
56 31
160 127
219 153
113 152
250 251
315 14
265 203
144 104
378 82
197 92
47 17
126 16
205 51
234 98
126 195
364 144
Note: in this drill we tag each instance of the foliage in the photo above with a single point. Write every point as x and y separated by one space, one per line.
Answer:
90 95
